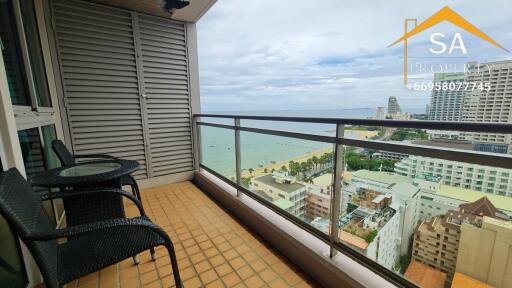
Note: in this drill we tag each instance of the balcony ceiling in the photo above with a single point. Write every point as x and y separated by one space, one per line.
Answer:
191 13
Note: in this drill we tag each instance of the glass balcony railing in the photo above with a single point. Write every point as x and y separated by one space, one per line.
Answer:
390 186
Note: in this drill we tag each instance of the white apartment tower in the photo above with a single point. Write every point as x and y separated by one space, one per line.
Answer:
493 105
381 113
393 107
446 104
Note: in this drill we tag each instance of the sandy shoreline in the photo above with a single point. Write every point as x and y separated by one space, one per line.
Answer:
361 134
260 170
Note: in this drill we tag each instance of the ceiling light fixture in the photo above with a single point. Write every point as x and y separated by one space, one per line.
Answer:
170 6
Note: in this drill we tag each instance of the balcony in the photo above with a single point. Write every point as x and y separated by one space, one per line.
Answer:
230 190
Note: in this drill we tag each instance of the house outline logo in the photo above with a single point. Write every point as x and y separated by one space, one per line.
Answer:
445 14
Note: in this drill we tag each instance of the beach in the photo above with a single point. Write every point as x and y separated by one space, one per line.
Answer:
360 134
277 166
364 135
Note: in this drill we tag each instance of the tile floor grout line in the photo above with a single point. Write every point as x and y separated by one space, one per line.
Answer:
184 248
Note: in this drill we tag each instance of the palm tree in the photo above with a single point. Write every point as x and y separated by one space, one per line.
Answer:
316 161
265 170
284 168
294 168
303 168
251 171
310 164
323 160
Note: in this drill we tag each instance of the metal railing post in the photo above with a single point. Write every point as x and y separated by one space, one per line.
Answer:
197 143
336 188
238 165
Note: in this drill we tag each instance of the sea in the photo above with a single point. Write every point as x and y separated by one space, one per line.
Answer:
261 150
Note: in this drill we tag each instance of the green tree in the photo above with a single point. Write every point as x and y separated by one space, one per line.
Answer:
251 171
408 134
404 260
245 182
369 238
294 168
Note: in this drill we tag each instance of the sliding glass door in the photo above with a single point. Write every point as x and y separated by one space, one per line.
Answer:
34 106
29 89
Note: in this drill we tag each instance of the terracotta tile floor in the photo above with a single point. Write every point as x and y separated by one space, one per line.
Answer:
213 249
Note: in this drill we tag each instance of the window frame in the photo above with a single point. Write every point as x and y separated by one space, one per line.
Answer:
28 71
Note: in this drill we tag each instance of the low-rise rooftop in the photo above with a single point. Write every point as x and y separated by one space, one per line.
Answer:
464 281
386 178
283 204
425 276
353 240
501 202
446 143
323 180
269 180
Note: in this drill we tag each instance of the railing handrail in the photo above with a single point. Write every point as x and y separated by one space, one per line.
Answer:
487 127
339 141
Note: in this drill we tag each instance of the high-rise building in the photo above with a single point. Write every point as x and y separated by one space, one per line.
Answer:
381 113
393 107
488 179
446 104
485 253
494 105
437 242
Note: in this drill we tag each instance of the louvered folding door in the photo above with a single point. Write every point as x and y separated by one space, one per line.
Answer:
125 82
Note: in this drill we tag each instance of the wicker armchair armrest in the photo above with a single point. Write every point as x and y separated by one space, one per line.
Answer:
95 156
78 230
93 191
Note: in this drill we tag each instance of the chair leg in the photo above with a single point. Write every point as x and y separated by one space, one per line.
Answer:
135 192
153 254
174 264
135 188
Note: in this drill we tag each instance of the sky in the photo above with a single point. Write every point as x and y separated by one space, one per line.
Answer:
330 54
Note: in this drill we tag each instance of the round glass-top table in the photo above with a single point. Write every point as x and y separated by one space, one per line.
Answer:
89 169
85 173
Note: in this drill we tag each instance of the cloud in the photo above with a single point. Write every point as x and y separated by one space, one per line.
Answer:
273 55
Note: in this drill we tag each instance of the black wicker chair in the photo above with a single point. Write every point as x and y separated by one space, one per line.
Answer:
94 245
66 158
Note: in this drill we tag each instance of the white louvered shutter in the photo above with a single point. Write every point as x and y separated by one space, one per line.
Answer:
164 58
126 91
